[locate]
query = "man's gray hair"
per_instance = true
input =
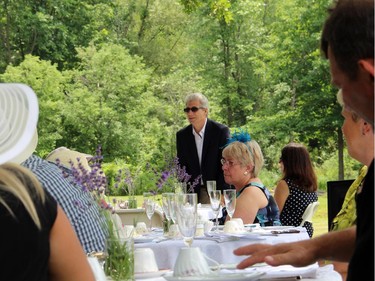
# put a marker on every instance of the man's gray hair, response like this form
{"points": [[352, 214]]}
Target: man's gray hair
{"points": [[197, 96]]}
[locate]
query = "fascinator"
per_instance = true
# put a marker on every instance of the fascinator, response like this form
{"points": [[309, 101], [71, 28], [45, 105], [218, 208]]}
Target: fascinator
{"points": [[241, 136]]}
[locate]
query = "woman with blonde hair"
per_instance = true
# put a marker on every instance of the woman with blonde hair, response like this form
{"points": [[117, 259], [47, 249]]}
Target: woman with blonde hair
{"points": [[37, 241], [242, 162]]}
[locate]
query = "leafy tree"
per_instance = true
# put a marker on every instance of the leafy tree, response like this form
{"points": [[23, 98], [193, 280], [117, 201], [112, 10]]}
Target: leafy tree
{"points": [[48, 83]]}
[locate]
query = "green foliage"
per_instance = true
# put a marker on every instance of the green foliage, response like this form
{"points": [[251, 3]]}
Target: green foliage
{"points": [[116, 73], [48, 84]]}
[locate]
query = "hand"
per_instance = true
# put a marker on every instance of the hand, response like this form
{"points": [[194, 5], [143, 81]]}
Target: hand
{"points": [[297, 254]]}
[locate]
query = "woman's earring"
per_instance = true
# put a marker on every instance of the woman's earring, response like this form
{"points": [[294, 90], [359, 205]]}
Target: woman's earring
{"points": [[245, 173]]}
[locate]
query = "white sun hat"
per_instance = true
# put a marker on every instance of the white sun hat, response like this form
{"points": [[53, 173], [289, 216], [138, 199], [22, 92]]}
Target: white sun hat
{"points": [[19, 113]]}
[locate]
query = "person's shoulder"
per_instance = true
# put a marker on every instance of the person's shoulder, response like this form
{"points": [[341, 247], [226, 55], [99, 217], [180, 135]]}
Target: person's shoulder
{"points": [[216, 124], [33, 162], [185, 130], [282, 184]]}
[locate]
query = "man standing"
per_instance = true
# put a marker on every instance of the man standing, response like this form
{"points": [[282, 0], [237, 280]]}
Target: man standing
{"points": [[199, 145]]}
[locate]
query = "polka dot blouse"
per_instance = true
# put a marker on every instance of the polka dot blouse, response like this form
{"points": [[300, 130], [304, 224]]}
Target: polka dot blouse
{"points": [[295, 205]]}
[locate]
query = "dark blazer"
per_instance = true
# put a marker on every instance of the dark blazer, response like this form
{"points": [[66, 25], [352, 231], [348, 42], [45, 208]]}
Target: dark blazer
{"points": [[215, 138]]}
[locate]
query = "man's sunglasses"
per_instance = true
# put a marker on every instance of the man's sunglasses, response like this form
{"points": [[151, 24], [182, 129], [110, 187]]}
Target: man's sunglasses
{"points": [[194, 109]]}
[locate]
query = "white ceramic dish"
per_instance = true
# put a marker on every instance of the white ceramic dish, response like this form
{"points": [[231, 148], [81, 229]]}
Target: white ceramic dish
{"points": [[219, 276], [143, 239], [146, 275]]}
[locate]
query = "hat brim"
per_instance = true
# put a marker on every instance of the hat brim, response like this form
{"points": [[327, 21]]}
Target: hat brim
{"points": [[19, 113]]}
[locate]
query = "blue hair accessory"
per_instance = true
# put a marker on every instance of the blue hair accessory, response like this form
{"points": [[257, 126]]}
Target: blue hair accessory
{"points": [[241, 136]]}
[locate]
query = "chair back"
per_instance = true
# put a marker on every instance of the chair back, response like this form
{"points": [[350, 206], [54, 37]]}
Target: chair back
{"points": [[336, 191], [309, 212]]}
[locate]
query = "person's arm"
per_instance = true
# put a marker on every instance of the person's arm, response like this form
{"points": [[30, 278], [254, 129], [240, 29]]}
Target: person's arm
{"points": [[281, 194], [67, 259], [337, 245]]}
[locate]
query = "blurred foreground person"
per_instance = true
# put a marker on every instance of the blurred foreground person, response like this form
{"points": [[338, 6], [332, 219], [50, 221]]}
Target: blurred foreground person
{"points": [[348, 43], [37, 241]]}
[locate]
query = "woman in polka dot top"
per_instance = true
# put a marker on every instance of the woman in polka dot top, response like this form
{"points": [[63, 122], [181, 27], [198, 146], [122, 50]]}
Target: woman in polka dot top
{"points": [[297, 187]]}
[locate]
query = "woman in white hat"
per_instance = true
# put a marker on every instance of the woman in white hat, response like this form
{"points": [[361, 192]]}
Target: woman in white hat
{"points": [[37, 241]]}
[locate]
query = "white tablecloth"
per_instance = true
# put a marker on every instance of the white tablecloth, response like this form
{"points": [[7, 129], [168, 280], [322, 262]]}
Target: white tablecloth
{"points": [[205, 212], [166, 252], [325, 273]]}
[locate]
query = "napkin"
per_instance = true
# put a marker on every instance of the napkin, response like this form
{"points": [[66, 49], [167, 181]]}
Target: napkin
{"points": [[281, 271]]}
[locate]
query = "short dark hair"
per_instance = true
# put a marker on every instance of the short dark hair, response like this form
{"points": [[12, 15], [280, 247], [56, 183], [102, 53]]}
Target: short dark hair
{"points": [[349, 33]]}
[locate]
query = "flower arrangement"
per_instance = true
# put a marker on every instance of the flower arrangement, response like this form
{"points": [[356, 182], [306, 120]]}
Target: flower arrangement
{"points": [[119, 261], [126, 181], [172, 175], [91, 180]]}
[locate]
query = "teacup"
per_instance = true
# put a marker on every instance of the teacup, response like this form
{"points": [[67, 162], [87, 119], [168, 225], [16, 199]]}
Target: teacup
{"points": [[239, 222], [192, 262], [232, 227], [129, 230], [141, 228], [144, 260]]}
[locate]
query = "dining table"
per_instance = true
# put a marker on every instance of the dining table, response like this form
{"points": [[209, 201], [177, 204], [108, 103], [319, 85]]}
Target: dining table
{"points": [[218, 248]]}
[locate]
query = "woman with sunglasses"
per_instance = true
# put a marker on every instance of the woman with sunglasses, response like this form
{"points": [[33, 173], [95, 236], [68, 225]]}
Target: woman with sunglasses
{"points": [[199, 146]]}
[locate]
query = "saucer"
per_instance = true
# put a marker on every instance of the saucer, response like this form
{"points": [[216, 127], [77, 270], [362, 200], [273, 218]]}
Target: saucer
{"points": [[249, 276], [143, 239], [145, 275]]}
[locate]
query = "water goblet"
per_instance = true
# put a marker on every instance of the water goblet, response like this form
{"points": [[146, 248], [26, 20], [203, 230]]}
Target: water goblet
{"points": [[187, 213], [215, 200], [230, 201], [148, 199]]}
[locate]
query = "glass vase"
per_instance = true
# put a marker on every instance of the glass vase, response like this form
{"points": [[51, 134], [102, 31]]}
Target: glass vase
{"points": [[119, 264]]}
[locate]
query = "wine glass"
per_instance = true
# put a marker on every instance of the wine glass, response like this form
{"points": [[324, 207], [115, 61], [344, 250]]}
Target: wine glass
{"points": [[180, 187], [148, 199], [211, 186], [172, 207], [230, 201], [186, 213], [215, 200], [165, 205]]}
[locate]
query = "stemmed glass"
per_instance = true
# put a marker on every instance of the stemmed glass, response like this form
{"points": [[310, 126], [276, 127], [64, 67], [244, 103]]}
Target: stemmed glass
{"points": [[165, 198], [211, 186], [148, 199], [215, 200], [180, 187], [186, 213], [230, 201]]}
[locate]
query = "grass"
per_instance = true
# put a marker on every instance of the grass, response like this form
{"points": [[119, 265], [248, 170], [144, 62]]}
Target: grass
{"points": [[320, 219]]}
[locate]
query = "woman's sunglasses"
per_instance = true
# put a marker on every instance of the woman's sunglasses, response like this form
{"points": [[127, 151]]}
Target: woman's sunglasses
{"points": [[194, 109]]}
